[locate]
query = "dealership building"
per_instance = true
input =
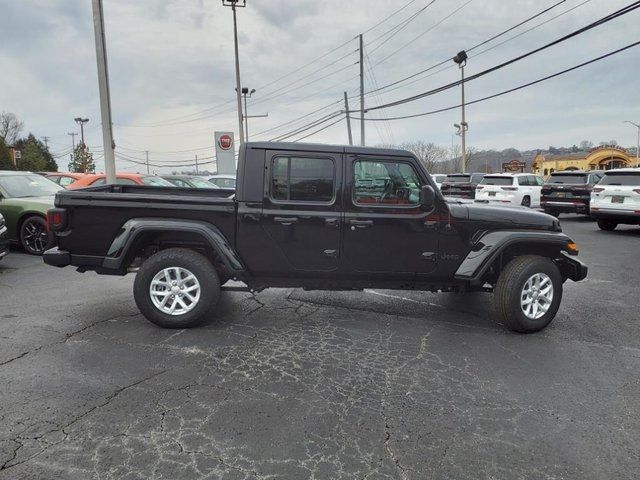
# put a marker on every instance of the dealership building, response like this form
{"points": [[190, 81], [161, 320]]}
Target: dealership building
{"points": [[600, 158]]}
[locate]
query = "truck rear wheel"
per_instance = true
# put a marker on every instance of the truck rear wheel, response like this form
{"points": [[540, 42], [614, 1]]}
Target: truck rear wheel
{"points": [[177, 288], [528, 293]]}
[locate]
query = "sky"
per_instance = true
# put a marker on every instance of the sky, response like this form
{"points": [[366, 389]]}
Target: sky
{"points": [[172, 73]]}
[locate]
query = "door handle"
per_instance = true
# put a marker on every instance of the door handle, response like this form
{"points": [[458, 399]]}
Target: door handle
{"points": [[331, 222], [285, 220], [360, 224]]}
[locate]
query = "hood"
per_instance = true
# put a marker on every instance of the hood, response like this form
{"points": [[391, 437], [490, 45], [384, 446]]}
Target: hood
{"points": [[510, 217]]}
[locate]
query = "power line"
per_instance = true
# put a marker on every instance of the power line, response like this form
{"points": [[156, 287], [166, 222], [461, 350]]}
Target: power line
{"points": [[306, 127], [424, 32], [321, 129], [494, 37], [188, 118], [623, 11], [511, 90]]}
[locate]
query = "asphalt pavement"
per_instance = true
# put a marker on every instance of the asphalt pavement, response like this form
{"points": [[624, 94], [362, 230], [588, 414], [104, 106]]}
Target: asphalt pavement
{"points": [[290, 384]]}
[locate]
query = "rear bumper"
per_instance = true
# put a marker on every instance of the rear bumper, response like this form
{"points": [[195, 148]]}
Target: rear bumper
{"points": [[620, 216], [574, 206], [56, 257]]}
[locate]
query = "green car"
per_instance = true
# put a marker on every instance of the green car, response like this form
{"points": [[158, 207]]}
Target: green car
{"points": [[24, 200]]}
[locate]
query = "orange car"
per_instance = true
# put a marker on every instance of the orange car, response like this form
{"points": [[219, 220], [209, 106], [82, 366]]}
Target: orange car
{"points": [[64, 179], [93, 180]]}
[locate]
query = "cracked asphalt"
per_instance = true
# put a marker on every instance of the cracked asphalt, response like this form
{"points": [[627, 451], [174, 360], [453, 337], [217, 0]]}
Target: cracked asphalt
{"points": [[290, 384]]}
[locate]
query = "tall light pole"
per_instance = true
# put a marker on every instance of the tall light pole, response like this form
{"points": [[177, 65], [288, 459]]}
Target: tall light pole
{"points": [[81, 121], [233, 4], [637, 143], [461, 60]]}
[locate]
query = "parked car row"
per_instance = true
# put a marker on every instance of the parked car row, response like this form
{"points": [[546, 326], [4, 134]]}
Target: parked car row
{"points": [[611, 197], [73, 181], [25, 198]]}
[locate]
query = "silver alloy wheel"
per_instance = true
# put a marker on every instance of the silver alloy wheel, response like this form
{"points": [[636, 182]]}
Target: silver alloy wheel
{"points": [[536, 296], [175, 291]]}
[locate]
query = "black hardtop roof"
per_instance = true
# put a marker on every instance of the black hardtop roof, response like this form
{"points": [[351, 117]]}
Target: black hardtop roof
{"points": [[323, 148]]}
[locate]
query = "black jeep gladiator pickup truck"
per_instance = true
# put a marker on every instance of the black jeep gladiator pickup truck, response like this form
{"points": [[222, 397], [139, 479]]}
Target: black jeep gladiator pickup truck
{"points": [[315, 217]]}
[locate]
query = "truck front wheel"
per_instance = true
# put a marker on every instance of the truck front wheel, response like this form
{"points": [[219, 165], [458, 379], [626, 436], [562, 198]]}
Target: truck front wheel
{"points": [[176, 288], [528, 293]]}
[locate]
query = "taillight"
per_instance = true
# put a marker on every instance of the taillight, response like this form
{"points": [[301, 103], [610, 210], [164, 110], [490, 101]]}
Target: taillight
{"points": [[511, 189], [597, 189], [636, 190], [56, 219], [479, 187]]}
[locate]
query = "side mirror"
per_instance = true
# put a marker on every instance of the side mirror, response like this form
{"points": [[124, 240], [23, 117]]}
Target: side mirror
{"points": [[427, 197]]}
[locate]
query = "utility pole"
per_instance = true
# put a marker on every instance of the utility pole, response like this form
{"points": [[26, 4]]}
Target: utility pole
{"points": [[146, 152], [233, 4], [197, 172], [81, 121], [73, 141], [638, 142], [362, 141], [461, 60], [46, 142], [346, 110], [105, 96]]}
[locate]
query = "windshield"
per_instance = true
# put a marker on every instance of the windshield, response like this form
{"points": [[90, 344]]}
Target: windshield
{"points": [[628, 179], [156, 182], [31, 185], [200, 183], [497, 181], [458, 178], [568, 178]]}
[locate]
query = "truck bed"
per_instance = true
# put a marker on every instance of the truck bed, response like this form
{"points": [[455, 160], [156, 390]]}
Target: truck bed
{"points": [[103, 210]]}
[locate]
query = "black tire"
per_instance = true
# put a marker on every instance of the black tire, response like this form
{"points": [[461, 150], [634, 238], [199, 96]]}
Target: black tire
{"points": [[509, 290], [526, 202], [185, 260], [607, 225], [34, 235]]}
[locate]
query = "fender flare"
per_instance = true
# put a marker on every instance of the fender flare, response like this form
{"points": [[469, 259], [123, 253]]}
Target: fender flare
{"points": [[135, 227], [488, 248]]}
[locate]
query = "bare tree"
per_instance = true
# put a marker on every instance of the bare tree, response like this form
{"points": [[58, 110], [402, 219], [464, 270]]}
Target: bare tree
{"points": [[586, 145], [10, 127], [471, 153], [429, 153]]}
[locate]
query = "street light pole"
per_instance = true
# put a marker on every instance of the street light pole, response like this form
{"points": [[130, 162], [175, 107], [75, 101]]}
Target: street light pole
{"points": [[73, 140], [233, 4], [637, 143], [461, 60], [245, 92]]}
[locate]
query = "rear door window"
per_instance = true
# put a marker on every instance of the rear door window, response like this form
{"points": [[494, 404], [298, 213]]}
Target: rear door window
{"points": [[458, 179], [567, 178], [303, 179]]}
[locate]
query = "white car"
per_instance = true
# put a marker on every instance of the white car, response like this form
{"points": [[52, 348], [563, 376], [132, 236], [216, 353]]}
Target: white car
{"points": [[223, 180], [510, 189], [616, 198], [438, 178]]}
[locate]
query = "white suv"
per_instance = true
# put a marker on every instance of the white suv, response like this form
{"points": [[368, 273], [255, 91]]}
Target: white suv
{"points": [[616, 198], [510, 189]]}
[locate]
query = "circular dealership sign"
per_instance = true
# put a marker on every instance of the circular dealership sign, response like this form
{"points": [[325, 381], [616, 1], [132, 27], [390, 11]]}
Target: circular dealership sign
{"points": [[225, 142]]}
